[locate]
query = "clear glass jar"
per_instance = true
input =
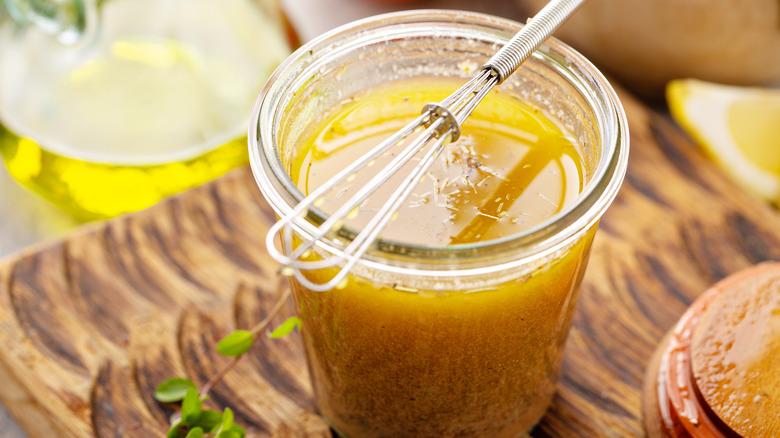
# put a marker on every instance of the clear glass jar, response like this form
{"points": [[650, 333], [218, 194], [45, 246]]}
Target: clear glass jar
{"points": [[107, 106], [461, 340]]}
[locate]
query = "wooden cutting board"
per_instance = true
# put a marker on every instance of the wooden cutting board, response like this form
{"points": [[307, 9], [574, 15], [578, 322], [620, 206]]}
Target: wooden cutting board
{"points": [[90, 324]]}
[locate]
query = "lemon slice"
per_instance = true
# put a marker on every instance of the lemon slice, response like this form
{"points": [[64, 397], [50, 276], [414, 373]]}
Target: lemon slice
{"points": [[739, 127]]}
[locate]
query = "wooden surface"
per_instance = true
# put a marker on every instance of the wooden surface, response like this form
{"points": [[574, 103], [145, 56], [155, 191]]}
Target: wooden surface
{"points": [[89, 325]]}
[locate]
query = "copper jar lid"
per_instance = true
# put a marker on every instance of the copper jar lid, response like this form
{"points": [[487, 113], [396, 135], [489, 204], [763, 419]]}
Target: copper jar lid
{"points": [[717, 372]]}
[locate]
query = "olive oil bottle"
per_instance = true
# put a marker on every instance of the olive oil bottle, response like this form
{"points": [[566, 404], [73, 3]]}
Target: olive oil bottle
{"points": [[150, 98]]}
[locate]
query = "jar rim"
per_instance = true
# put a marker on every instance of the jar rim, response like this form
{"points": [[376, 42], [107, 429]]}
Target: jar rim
{"points": [[545, 237]]}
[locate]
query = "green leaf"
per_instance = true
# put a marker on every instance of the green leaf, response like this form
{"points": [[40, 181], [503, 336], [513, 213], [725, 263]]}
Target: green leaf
{"points": [[195, 432], [208, 419], [227, 419], [190, 406], [173, 390], [238, 429], [228, 429], [286, 328], [175, 430], [236, 343]]}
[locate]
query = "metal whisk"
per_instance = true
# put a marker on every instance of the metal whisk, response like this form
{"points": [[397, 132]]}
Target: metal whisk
{"points": [[442, 123]]}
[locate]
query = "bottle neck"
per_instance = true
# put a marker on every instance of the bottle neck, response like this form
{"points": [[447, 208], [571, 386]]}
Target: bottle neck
{"points": [[65, 19]]}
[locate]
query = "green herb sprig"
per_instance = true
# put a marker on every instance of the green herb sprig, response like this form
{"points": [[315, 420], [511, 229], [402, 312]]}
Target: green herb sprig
{"points": [[192, 421]]}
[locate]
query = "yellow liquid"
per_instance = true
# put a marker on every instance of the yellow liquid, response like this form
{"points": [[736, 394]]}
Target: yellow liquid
{"points": [[90, 190], [510, 169], [393, 358]]}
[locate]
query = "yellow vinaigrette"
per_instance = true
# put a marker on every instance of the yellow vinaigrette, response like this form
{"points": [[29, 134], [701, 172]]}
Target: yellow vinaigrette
{"points": [[511, 168], [393, 357]]}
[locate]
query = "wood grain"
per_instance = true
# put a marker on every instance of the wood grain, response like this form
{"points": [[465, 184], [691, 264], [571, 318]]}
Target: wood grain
{"points": [[90, 324]]}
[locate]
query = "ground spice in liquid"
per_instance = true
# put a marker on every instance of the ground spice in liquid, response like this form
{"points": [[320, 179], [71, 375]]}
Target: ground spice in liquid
{"points": [[511, 168]]}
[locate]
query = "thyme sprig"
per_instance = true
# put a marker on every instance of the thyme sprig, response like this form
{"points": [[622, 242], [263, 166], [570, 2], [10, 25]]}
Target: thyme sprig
{"points": [[192, 421]]}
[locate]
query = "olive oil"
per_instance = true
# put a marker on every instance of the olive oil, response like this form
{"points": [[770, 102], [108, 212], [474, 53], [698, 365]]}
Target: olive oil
{"points": [[96, 190]]}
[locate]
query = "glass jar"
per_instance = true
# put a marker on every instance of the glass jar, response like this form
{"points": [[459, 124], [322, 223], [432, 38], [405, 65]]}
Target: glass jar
{"points": [[460, 340], [108, 106]]}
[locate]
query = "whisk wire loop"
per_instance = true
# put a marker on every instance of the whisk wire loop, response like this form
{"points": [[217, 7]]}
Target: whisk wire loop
{"points": [[302, 208]]}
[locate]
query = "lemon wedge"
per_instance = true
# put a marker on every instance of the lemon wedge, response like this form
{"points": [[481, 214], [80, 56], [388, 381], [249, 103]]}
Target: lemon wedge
{"points": [[739, 127]]}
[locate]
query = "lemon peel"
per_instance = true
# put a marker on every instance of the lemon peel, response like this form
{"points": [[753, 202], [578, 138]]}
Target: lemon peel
{"points": [[738, 127]]}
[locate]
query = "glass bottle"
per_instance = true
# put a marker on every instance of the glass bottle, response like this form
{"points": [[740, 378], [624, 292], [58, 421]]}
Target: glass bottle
{"points": [[107, 106]]}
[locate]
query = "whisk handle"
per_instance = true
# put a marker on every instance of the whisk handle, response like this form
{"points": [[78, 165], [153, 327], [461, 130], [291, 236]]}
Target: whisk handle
{"points": [[530, 37]]}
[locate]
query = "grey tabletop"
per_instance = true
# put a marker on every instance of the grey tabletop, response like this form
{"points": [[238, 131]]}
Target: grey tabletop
{"points": [[26, 219]]}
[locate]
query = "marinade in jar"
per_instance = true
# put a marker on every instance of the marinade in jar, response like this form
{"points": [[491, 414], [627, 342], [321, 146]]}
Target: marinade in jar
{"points": [[393, 358]]}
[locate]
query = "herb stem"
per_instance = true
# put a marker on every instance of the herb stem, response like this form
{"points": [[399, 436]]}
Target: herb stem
{"points": [[263, 325], [217, 377], [259, 328]]}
